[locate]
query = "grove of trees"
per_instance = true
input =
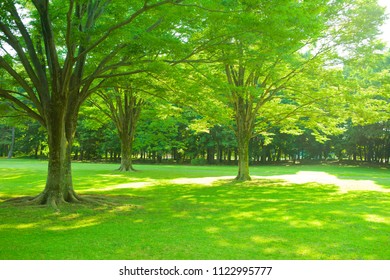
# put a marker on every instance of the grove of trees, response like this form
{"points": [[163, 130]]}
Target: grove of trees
{"points": [[174, 140], [230, 81]]}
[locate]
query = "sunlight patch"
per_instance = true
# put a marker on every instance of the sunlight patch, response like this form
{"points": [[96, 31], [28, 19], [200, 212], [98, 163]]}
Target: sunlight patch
{"points": [[307, 224], [123, 208], [306, 251], [376, 219], [212, 229], [302, 177], [200, 181], [182, 214], [263, 240], [19, 226], [134, 185], [245, 215], [80, 224], [345, 185], [29, 225]]}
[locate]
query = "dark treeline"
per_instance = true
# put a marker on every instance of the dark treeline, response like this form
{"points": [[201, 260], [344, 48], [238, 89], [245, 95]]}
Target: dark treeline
{"points": [[173, 139]]}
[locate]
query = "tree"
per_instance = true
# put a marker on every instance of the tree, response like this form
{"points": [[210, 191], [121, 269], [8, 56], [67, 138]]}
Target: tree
{"points": [[278, 62], [55, 54], [123, 106]]}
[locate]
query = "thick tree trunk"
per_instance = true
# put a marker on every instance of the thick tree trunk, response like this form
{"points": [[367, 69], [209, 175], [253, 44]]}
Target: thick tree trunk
{"points": [[70, 131], [126, 153], [69, 194], [55, 189], [59, 186]]}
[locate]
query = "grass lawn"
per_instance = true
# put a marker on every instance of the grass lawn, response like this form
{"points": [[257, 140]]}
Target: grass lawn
{"points": [[184, 213]]}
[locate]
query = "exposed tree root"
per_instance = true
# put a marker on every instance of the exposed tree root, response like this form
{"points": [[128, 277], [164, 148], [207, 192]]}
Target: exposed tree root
{"points": [[242, 178], [124, 169], [44, 200]]}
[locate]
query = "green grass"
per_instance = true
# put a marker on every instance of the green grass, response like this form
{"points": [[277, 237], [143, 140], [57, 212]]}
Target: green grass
{"points": [[261, 219]]}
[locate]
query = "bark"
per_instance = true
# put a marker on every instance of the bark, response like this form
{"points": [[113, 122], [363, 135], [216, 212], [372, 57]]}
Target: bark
{"points": [[126, 153], [55, 191], [243, 159], [70, 131], [11, 149], [59, 185], [245, 109], [69, 195], [244, 132]]}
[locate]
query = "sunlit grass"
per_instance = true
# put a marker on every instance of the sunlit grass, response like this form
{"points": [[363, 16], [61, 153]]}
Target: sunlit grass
{"points": [[157, 216]]}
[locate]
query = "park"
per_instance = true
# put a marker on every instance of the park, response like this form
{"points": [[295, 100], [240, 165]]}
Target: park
{"points": [[194, 130], [198, 212]]}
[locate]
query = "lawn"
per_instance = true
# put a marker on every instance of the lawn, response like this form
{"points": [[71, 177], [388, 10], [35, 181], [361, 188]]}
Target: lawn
{"points": [[184, 212]]}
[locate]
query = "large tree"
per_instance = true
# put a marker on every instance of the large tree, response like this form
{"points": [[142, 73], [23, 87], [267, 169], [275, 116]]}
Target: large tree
{"points": [[279, 62], [55, 54]]}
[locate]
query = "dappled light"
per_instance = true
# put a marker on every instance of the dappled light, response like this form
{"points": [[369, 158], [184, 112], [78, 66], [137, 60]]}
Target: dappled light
{"points": [[52, 225], [161, 213], [345, 185], [377, 219], [194, 130], [302, 177], [201, 181], [135, 185]]}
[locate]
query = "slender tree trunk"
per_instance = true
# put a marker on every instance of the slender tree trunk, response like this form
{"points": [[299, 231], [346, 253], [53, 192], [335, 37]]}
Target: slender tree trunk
{"points": [[243, 135], [244, 132], [243, 159], [11, 149]]}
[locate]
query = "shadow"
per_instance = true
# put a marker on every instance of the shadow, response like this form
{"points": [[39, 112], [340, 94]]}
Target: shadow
{"points": [[214, 219], [267, 219], [371, 175], [344, 185]]}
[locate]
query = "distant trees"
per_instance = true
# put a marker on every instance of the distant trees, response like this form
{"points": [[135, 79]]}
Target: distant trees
{"points": [[170, 135], [172, 138]]}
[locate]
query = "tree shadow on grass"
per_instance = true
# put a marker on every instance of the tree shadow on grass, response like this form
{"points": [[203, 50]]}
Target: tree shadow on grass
{"points": [[260, 219], [265, 219]]}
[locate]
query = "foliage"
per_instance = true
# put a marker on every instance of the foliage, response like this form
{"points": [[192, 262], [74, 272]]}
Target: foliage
{"points": [[263, 69], [55, 54], [277, 64]]}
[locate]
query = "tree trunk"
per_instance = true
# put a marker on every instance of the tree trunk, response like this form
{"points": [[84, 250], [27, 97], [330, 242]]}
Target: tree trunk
{"points": [[245, 123], [126, 153], [59, 186], [69, 194], [243, 159], [11, 149], [55, 189]]}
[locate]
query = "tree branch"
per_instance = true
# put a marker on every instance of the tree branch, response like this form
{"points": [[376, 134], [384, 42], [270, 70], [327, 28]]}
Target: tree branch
{"points": [[136, 14], [7, 95]]}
